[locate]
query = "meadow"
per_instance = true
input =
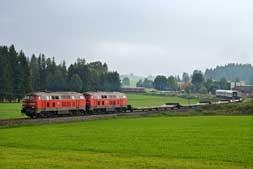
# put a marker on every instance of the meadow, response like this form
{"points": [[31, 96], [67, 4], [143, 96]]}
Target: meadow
{"points": [[10, 110], [197, 142]]}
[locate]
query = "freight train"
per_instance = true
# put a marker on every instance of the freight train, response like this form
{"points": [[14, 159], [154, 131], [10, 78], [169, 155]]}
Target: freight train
{"points": [[53, 104]]}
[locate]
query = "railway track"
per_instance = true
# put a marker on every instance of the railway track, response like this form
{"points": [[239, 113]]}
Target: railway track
{"points": [[134, 113], [19, 121]]}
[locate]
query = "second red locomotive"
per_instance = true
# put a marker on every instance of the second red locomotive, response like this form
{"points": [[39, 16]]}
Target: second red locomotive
{"points": [[49, 104]]}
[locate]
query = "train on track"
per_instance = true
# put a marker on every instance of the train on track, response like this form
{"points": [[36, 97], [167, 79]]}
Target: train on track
{"points": [[228, 94], [53, 104]]}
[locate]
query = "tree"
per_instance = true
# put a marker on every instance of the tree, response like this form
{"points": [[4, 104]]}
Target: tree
{"points": [[172, 84], [112, 81], [161, 83], [177, 78], [147, 83], [210, 86], [22, 77], [126, 81], [19, 76], [35, 76], [231, 72], [43, 73], [5, 75], [197, 79], [75, 83], [12, 59], [27, 77], [139, 83], [185, 77], [203, 89], [224, 84]]}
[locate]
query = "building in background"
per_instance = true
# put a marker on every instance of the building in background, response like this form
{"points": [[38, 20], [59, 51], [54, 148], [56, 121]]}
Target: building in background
{"points": [[242, 87], [234, 84]]}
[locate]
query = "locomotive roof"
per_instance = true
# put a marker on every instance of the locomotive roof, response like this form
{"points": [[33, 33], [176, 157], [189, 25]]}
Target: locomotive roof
{"points": [[105, 93], [55, 93]]}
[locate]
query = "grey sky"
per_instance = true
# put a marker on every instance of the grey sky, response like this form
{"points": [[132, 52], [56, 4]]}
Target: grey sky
{"points": [[133, 36]]}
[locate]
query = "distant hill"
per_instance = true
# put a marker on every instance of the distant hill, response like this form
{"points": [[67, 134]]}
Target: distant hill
{"points": [[232, 72]]}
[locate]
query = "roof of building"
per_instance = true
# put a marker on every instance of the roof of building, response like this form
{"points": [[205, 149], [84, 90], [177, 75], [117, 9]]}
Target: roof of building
{"points": [[246, 88]]}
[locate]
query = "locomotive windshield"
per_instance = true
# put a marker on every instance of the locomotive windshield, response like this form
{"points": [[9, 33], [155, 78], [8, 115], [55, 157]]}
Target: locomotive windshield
{"points": [[29, 97]]}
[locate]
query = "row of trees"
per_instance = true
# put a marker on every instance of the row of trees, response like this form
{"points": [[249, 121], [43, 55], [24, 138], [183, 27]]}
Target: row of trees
{"points": [[163, 83], [194, 83], [20, 75], [232, 72], [201, 85], [15, 75]]}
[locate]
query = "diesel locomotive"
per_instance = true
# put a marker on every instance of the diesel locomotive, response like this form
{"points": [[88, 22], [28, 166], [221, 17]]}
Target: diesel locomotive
{"points": [[52, 104]]}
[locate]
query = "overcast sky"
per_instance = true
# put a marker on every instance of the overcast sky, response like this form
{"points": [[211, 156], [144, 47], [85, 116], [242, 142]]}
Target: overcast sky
{"points": [[133, 36]]}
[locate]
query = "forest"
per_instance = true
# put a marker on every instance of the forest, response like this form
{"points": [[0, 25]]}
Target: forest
{"points": [[20, 74], [232, 72]]}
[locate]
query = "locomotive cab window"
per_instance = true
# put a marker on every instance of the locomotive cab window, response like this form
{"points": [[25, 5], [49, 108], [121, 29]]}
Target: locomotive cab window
{"points": [[29, 97]]}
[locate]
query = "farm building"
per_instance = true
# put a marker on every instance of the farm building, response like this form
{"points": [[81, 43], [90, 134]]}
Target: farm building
{"points": [[246, 89]]}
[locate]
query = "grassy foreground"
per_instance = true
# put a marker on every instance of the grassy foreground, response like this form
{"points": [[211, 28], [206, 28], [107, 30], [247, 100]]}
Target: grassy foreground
{"points": [[151, 142]]}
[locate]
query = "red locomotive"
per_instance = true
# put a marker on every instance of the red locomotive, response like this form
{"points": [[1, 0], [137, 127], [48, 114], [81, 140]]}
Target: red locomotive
{"points": [[45, 104], [49, 104], [106, 101]]}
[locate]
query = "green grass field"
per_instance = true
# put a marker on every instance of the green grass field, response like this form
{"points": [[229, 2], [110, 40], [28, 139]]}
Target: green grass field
{"points": [[12, 110], [144, 100], [153, 142]]}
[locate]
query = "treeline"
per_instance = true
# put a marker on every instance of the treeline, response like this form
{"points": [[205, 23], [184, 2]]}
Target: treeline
{"points": [[195, 83], [20, 75], [160, 83], [232, 72], [200, 84]]}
